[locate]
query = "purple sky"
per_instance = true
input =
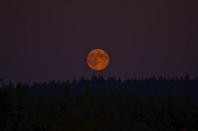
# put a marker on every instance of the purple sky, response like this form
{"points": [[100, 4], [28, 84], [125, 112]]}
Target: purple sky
{"points": [[49, 39]]}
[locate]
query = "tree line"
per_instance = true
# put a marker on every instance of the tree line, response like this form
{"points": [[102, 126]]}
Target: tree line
{"points": [[149, 104]]}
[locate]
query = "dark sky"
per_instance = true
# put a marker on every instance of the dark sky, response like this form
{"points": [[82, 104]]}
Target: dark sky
{"points": [[49, 39]]}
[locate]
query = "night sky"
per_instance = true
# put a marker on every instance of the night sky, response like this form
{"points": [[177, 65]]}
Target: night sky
{"points": [[45, 40]]}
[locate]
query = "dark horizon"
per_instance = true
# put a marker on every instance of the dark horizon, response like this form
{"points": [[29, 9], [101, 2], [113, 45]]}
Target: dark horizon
{"points": [[99, 77]]}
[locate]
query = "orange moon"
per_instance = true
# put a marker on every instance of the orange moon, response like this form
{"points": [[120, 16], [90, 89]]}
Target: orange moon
{"points": [[98, 59]]}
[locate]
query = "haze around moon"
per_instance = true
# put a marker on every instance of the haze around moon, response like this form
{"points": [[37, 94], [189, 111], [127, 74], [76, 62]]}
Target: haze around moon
{"points": [[98, 59]]}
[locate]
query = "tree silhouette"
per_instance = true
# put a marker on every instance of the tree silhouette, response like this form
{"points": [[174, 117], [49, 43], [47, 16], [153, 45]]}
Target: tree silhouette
{"points": [[156, 104]]}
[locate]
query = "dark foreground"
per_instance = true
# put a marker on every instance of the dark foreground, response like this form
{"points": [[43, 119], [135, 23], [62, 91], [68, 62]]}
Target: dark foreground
{"points": [[100, 105]]}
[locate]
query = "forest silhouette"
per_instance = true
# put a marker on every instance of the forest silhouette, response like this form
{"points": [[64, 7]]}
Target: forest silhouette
{"points": [[147, 104]]}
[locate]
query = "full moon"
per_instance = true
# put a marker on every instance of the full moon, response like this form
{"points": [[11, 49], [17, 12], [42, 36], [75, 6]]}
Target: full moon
{"points": [[98, 59]]}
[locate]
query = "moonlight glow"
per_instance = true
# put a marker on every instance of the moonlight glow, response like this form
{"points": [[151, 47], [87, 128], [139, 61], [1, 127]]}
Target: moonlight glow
{"points": [[98, 59]]}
